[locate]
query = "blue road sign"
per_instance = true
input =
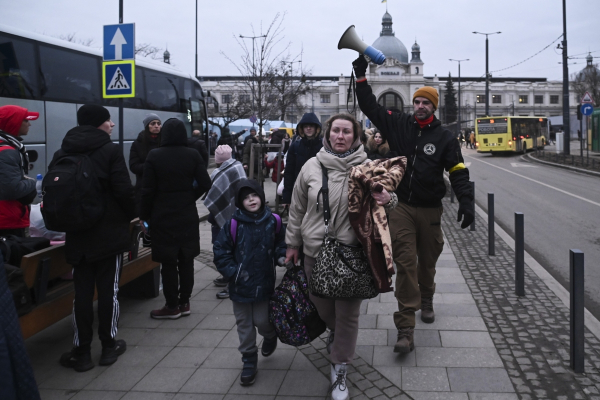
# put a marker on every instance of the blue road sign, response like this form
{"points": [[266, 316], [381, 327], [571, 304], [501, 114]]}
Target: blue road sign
{"points": [[587, 109], [119, 42], [253, 119], [118, 79]]}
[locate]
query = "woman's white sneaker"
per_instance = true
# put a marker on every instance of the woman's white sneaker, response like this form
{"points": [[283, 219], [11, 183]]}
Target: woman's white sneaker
{"points": [[338, 389]]}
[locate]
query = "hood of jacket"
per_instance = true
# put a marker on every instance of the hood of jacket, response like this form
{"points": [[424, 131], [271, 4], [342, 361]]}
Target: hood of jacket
{"points": [[84, 138], [309, 118], [173, 133], [251, 184]]}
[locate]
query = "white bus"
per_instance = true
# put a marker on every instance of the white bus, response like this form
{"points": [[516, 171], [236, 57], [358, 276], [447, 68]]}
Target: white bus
{"points": [[55, 77]]}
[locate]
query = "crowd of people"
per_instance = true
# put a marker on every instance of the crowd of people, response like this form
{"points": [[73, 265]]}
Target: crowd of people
{"points": [[335, 178]]}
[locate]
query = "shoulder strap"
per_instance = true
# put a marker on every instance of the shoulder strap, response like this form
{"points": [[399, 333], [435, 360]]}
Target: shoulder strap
{"points": [[233, 229], [325, 191], [278, 222]]}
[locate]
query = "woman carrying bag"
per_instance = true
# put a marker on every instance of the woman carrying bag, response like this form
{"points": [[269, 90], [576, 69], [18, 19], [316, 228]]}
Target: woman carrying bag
{"points": [[311, 227]]}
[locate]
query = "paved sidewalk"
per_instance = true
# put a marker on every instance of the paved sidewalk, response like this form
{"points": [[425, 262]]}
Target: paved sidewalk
{"points": [[485, 343]]}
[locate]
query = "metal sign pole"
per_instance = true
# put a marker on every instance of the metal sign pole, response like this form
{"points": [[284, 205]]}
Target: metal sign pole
{"points": [[121, 99]]}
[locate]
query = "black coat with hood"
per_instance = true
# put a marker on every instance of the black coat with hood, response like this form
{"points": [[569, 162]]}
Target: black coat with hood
{"points": [[299, 153], [169, 197], [110, 236], [137, 156]]}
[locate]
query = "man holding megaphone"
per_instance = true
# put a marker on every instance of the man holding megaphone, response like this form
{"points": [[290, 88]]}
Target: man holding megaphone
{"points": [[415, 229]]}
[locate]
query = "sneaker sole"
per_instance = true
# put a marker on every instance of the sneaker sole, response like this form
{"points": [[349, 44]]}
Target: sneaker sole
{"points": [[185, 313], [166, 316], [220, 284], [85, 368]]}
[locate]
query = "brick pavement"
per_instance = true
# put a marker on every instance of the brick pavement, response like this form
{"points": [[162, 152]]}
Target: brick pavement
{"points": [[531, 333]]}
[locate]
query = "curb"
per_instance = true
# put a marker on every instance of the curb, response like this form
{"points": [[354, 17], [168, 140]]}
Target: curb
{"points": [[583, 171]]}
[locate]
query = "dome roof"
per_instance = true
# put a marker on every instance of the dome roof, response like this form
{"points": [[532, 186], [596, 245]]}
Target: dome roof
{"points": [[387, 42], [416, 47]]}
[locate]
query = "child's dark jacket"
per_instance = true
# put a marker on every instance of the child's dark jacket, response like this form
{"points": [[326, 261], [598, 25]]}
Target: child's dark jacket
{"points": [[249, 264]]}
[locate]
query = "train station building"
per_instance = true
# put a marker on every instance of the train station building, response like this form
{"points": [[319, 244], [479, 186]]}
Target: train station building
{"points": [[402, 73]]}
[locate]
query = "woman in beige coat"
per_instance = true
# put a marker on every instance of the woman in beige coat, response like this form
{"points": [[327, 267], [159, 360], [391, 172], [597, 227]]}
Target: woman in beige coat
{"points": [[341, 151]]}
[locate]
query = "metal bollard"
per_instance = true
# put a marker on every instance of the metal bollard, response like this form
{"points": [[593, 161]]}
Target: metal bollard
{"points": [[491, 244], [519, 254], [473, 189], [576, 349]]}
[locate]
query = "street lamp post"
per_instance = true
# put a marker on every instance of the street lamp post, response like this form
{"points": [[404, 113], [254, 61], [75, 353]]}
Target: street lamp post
{"points": [[566, 116], [487, 73], [459, 102], [253, 66]]}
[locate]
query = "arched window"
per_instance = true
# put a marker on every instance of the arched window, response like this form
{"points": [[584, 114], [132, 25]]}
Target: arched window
{"points": [[391, 100], [417, 70]]}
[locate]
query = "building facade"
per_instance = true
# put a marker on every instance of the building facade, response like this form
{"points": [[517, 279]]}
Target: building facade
{"points": [[395, 82]]}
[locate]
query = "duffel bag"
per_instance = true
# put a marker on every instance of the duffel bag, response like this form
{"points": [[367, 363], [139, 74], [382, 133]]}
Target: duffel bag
{"points": [[15, 247]]}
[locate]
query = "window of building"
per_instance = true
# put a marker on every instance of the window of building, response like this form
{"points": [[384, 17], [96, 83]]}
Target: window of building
{"points": [[523, 99], [244, 98], [538, 99], [69, 76], [481, 99], [18, 76], [226, 98], [391, 100], [324, 118], [554, 99], [497, 99], [325, 98]]}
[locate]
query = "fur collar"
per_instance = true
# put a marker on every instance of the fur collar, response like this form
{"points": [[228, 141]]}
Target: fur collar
{"points": [[383, 148]]}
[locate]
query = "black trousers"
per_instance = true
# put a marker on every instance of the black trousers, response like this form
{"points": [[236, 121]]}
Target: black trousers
{"points": [[178, 280], [104, 276]]}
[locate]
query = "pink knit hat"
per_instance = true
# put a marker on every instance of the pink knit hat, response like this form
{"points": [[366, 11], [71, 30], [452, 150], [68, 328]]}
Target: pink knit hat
{"points": [[222, 154]]}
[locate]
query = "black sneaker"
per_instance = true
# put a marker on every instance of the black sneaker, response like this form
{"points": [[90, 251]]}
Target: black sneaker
{"points": [[79, 362], [268, 346], [223, 294], [220, 282], [111, 354]]}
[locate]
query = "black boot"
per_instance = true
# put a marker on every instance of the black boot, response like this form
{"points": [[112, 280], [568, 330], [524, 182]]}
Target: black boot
{"points": [[249, 369], [80, 361]]}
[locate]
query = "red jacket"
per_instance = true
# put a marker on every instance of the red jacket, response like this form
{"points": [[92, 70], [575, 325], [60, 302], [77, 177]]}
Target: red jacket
{"points": [[273, 164], [13, 214]]}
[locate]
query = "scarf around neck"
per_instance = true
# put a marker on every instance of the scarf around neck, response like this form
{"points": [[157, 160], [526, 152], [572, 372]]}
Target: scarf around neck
{"points": [[20, 147]]}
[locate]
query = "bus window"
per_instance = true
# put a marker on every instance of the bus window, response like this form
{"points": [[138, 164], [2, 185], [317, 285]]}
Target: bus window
{"points": [[17, 68], [188, 87], [69, 76], [139, 101], [198, 91], [162, 91]]}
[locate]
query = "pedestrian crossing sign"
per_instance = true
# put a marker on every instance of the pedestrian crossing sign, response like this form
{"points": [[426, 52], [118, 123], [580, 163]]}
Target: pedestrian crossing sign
{"points": [[118, 79]]}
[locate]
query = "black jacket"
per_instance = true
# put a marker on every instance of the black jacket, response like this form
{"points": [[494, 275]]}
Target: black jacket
{"points": [[169, 197], [110, 236], [137, 156], [227, 138], [429, 151], [195, 142], [299, 153]]}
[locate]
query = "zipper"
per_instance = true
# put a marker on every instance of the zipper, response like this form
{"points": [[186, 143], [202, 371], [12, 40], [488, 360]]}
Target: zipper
{"points": [[413, 169]]}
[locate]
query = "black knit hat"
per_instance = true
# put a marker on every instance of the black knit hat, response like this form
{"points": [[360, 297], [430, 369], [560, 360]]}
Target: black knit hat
{"points": [[244, 188], [91, 114]]}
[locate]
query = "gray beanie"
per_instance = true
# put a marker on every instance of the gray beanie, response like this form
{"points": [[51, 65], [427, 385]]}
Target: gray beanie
{"points": [[149, 118]]}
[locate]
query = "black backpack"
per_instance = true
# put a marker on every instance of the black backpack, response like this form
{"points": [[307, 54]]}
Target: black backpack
{"points": [[73, 198], [14, 247]]}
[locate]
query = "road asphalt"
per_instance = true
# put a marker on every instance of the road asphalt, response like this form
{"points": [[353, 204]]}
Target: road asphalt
{"points": [[486, 343]]}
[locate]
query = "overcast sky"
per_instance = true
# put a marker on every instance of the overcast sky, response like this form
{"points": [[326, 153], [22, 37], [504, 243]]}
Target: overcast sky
{"points": [[441, 27]]}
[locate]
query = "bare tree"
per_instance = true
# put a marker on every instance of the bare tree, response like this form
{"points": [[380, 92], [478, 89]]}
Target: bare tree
{"points": [[147, 50], [238, 107], [72, 37], [260, 67], [289, 87], [587, 80]]}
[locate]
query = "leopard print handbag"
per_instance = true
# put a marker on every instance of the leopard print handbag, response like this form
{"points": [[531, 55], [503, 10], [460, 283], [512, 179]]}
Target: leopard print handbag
{"points": [[341, 271]]}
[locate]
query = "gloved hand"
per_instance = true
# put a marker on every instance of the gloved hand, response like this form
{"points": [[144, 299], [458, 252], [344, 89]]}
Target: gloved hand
{"points": [[360, 66], [281, 261], [465, 209]]}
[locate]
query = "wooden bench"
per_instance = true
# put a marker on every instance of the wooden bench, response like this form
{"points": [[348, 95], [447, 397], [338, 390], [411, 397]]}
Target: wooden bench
{"points": [[56, 302]]}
